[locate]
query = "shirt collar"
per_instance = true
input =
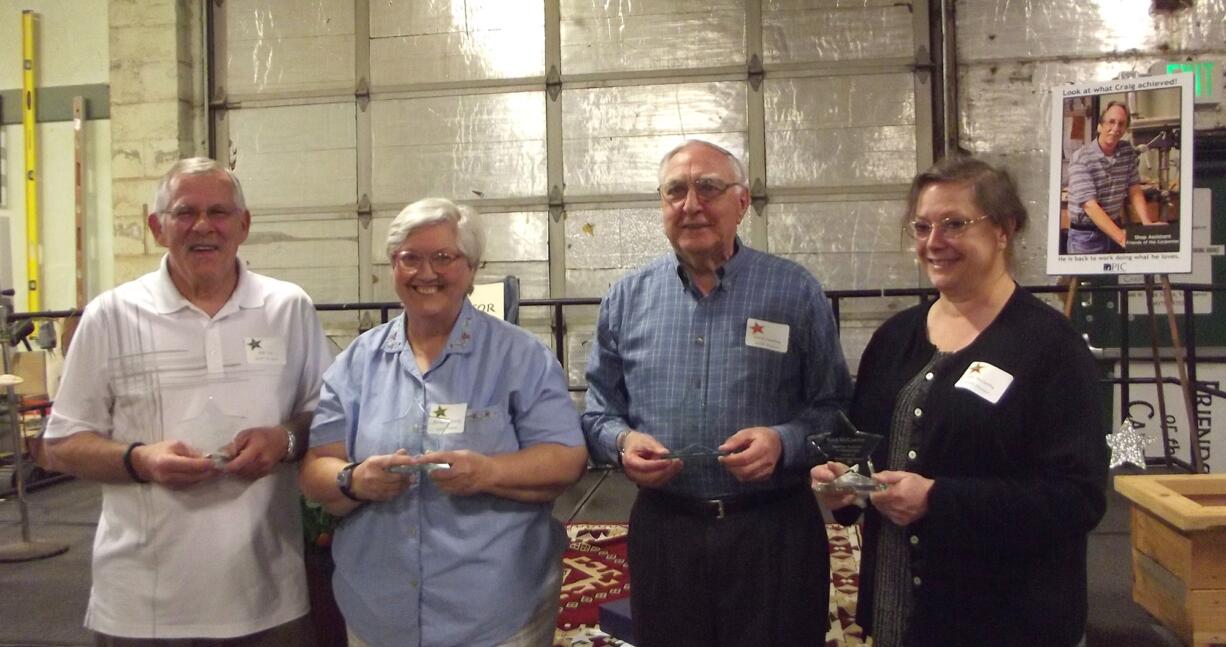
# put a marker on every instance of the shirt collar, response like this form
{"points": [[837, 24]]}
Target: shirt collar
{"points": [[1121, 147], [724, 274], [461, 340], [168, 299]]}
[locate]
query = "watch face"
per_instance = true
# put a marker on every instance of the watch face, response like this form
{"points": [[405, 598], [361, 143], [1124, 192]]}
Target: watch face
{"points": [[344, 477]]}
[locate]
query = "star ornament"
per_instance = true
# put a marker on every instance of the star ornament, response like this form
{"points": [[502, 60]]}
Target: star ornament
{"points": [[976, 367], [1128, 445], [440, 412], [254, 344], [757, 329]]}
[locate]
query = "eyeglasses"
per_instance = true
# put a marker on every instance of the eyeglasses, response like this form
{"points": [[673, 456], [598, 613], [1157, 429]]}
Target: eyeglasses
{"points": [[706, 188], [411, 262], [1112, 123], [189, 215], [949, 227]]}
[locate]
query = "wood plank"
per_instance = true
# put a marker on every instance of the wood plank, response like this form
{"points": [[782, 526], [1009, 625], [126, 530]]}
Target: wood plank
{"points": [[1209, 639], [1161, 594], [1209, 560], [1162, 543], [1194, 484], [1151, 493], [1207, 609]]}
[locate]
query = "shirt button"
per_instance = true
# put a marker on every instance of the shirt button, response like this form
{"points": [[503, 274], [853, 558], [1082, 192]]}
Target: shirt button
{"points": [[911, 454], [919, 412], [928, 377], [914, 540], [916, 580], [700, 341]]}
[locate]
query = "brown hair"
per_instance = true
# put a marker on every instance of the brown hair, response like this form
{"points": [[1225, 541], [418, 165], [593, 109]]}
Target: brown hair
{"points": [[995, 193], [1102, 116]]}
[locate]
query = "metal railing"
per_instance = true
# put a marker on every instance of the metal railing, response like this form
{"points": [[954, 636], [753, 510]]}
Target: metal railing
{"points": [[559, 329]]}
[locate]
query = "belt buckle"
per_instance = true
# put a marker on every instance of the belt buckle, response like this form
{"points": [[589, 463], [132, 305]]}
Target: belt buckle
{"points": [[719, 508]]}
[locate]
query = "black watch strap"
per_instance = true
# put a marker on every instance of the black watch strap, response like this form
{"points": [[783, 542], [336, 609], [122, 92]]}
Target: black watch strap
{"points": [[344, 482]]}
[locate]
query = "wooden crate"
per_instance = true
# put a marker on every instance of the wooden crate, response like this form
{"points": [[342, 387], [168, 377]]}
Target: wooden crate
{"points": [[1179, 552]]}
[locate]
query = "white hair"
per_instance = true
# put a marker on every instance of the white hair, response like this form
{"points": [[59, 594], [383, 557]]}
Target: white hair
{"points": [[430, 211], [740, 174], [194, 166]]}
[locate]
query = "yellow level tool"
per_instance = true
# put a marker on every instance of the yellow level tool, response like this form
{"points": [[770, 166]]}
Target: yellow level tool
{"points": [[33, 243]]}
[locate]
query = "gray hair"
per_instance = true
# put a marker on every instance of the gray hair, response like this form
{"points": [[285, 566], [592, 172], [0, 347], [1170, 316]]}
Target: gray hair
{"points": [[431, 211], [741, 175], [195, 166]]}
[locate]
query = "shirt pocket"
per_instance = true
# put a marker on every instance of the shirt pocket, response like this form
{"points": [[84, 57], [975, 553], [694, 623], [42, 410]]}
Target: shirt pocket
{"points": [[486, 430]]}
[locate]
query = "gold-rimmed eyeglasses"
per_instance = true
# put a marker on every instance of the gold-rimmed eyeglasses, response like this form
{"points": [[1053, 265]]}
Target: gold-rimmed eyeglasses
{"points": [[411, 262], [949, 227]]}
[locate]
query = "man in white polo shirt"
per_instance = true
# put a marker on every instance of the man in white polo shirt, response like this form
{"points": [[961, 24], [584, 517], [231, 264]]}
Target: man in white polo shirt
{"points": [[187, 393]]}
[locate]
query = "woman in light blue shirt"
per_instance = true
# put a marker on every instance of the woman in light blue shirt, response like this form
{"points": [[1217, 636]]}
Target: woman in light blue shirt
{"points": [[442, 437]]}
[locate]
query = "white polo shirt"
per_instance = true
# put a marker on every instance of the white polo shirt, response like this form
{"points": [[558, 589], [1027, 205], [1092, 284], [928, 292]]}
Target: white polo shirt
{"points": [[223, 558]]}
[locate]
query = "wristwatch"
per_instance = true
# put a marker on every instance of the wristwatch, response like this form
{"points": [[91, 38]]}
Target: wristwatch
{"points": [[344, 482]]}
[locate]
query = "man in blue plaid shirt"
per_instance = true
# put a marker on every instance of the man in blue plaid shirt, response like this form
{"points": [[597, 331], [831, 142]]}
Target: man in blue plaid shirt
{"points": [[728, 358]]}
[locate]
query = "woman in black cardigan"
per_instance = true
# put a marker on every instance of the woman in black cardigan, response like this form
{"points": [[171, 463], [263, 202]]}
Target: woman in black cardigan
{"points": [[995, 452]]}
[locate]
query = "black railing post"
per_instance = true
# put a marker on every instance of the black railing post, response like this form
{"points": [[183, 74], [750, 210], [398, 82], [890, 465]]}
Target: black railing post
{"points": [[1125, 360]]}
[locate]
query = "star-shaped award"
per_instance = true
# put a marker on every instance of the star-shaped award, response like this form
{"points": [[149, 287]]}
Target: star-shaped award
{"points": [[845, 444], [440, 412], [254, 344], [1128, 445]]}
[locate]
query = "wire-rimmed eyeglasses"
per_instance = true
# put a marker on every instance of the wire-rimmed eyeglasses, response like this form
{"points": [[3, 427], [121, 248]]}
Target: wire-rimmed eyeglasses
{"points": [[410, 262], [706, 188], [949, 227]]}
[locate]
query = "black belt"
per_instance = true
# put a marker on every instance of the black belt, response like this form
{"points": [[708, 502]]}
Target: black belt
{"points": [[722, 507]]}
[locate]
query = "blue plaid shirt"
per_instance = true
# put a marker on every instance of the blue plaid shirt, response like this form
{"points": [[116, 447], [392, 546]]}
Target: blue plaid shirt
{"points": [[672, 363]]}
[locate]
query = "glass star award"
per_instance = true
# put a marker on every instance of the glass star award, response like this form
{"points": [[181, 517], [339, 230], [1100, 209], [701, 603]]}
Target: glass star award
{"points": [[850, 446]]}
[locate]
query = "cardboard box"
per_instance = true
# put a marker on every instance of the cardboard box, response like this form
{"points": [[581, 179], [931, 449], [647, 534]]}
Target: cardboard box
{"points": [[1179, 552], [30, 366]]}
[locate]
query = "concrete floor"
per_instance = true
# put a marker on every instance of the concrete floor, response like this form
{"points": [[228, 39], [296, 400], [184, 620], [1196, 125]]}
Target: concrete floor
{"points": [[42, 602]]}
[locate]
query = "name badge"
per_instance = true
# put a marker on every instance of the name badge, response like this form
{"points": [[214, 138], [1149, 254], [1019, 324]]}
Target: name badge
{"points": [[985, 381], [767, 335], [446, 418], [265, 350]]}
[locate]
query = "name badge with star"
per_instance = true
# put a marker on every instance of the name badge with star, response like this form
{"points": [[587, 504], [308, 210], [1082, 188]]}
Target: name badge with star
{"points": [[985, 381], [767, 335], [447, 418], [265, 350]]}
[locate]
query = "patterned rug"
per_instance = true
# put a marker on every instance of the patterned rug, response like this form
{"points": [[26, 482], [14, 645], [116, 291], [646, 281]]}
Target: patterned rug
{"points": [[594, 572]]}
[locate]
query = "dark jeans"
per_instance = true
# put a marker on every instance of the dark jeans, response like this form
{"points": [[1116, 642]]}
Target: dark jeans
{"points": [[295, 633], [755, 578]]}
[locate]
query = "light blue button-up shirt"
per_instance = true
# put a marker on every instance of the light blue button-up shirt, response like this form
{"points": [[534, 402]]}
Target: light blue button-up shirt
{"points": [[427, 568], [684, 367]]}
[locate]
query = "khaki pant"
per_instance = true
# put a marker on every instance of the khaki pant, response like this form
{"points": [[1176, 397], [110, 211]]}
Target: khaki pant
{"points": [[539, 630], [295, 632]]}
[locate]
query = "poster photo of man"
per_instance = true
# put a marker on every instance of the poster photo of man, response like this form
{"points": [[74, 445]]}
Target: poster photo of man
{"points": [[1120, 153]]}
